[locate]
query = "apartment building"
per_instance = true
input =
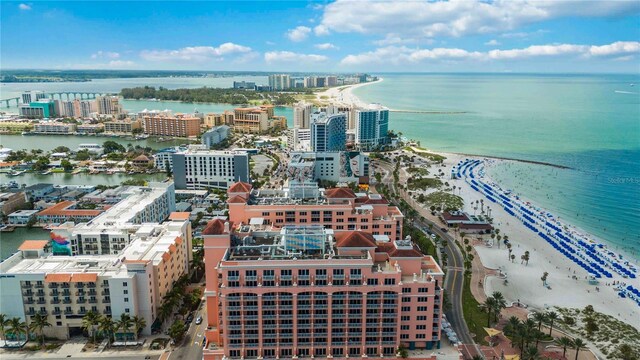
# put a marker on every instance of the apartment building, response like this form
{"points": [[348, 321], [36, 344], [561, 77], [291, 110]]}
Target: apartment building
{"points": [[279, 82], [180, 125], [299, 139], [302, 115], [109, 105], [328, 132], [53, 127], [251, 120], [11, 201], [65, 288], [110, 232], [89, 128], [66, 211], [305, 291], [199, 169], [339, 209], [121, 126], [371, 127], [215, 135], [16, 126]]}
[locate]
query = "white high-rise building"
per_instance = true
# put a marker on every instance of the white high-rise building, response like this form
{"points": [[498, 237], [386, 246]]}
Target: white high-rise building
{"points": [[279, 82], [32, 96], [302, 115], [196, 169], [372, 124]]}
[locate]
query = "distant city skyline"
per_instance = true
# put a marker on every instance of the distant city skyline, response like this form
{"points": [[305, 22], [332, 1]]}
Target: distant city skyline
{"points": [[341, 36]]}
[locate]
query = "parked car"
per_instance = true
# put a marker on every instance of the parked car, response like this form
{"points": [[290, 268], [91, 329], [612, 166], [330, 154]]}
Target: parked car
{"points": [[444, 229], [190, 318], [199, 320]]}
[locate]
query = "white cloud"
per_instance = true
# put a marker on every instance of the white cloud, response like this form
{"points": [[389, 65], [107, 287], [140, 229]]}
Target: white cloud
{"points": [[523, 35], [492, 42], [269, 42], [105, 54], [288, 56], [402, 54], [616, 48], [24, 7], [428, 19], [298, 34], [195, 53], [326, 46], [395, 39]]}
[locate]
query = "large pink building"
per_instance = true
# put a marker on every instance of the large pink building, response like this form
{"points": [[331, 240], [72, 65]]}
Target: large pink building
{"points": [[307, 290], [339, 209]]}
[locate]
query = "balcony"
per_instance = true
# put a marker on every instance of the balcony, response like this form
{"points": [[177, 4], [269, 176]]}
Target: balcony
{"points": [[106, 299], [66, 292], [31, 312], [65, 285], [43, 312], [91, 285], [56, 312], [107, 311], [29, 301], [93, 301], [92, 292], [42, 301], [105, 292], [39, 286], [27, 293], [55, 301], [66, 301], [54, 293], [68, 312], [53, 285], [25, 286], [81, 300]]}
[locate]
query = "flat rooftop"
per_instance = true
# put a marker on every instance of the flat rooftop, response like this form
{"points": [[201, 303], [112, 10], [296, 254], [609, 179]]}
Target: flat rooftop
{"points": [[149, 243]]}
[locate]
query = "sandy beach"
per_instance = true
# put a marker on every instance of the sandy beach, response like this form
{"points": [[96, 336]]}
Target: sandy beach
{"points": [[344, 94], [524, 283]]}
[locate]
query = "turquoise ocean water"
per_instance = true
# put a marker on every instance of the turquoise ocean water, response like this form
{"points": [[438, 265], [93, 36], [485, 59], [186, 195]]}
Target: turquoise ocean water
{"points": [[590, 123]]}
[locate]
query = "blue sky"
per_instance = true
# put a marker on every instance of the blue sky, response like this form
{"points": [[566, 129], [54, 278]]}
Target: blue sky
{"points": [[340, 36]]}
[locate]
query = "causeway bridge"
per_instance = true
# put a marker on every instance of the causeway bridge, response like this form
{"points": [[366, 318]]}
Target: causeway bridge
{"points": [[60, 95]]}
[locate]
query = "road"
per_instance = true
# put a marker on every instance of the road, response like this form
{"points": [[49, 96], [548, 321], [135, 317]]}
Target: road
{"points": [[191, 347], [454, 279]]}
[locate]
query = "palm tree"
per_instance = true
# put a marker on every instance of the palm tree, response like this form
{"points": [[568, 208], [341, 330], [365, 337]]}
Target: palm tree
{"points": [[500, 304], [564, 342], [513, 323], [89, 322], [107, 327], [540, 317], [165, 311], [197, 263], [38, 323], [578, 345], [488, 306], [17, 327], [551, 317], [139, 323], [124, 324], [4, 322], [531, 353]]}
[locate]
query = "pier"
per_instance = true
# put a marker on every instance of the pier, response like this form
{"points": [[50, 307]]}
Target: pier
{"points": [[432, 112]]}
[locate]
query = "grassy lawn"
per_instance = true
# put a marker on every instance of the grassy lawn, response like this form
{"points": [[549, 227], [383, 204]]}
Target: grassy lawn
{"points": [[476, 320]]}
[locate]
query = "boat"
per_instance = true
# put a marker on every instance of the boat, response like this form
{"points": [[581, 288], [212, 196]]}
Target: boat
{"points": [[47, 172], [17, 173], [27, 133]]}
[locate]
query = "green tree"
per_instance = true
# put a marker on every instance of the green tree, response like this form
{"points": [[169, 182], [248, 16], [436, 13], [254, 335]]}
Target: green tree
{"points": [[41, 164], [552, 316], [139, 323], [177, 330], [107, 328], [17, 327], [539, 317], [564, 342], [500, 304], [66, 165], [110, 146], [626, 352], [4, 322], [125, 323], [488, 307], [83, 155], [89, 322], [579, 344], [531, 353], [38, 323], [61, 149]]}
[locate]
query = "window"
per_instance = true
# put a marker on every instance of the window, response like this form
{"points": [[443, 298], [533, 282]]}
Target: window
{"points": [[423, 299], [423, 290], [422, 308], [421, 327], [126, 310], [389, 281], [126, 299], [372, 282], [406, 308], [406, 299], [405, 318], [125, 291], [124, 283]]}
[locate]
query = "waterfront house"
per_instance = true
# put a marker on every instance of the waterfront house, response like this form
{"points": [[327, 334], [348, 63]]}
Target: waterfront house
{"points": [[21, 217]]}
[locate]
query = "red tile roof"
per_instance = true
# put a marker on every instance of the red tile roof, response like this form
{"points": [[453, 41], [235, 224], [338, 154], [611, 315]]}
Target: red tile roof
{"points": [[340, 193], [176, 215], [367, 200], [394, 252], [61, 209], [214, 227], [455, 216], [57, 278], [237, 200], [240, 187], [33, 245], [84, 277], [355, 239]]}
